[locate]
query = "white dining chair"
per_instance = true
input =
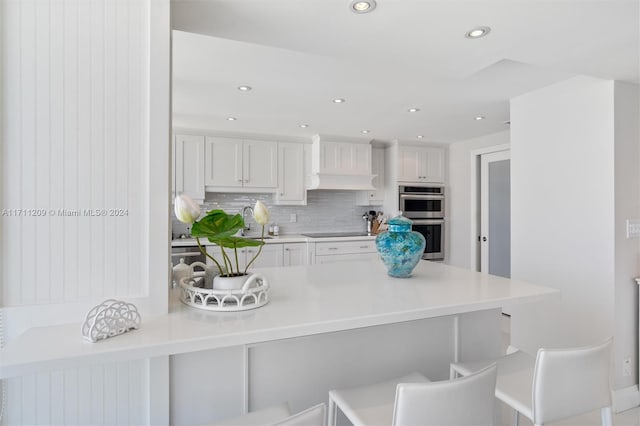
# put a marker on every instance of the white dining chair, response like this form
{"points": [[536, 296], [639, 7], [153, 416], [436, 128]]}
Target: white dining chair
{"points": [[556, 384], [279, 415], [414, 400]]}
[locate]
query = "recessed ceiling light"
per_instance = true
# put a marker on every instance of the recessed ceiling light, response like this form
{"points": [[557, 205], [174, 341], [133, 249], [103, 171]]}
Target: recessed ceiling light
{"points": [[244, 88], [365, 131], [362, 6], [231, 119], [338, 101], [414, 109], [479, 117], [420, 136], [304, 126], [477, 32]]}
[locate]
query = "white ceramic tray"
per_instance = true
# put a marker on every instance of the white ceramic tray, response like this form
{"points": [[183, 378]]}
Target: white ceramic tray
{"points": [[193, 293]]}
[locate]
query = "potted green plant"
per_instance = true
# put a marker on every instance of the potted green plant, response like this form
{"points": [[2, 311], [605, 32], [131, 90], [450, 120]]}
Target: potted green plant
{"points": [[221, 228]]}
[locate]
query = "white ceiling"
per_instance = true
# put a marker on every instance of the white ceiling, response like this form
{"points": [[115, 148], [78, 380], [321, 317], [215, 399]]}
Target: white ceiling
{"points": [[298, 55]]}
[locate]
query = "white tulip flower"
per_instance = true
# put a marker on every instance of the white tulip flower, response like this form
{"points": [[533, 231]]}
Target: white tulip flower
{"points": [[187, 211], [261, 213]]}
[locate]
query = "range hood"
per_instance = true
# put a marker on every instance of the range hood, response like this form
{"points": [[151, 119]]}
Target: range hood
{"points": [[340, 163]]}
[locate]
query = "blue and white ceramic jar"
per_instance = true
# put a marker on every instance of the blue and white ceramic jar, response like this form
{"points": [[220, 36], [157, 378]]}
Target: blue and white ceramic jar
{"points": [[400, 248]]}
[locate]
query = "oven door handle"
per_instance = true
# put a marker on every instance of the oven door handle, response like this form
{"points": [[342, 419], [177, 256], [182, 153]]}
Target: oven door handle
{"points": [[422, 197], [428, 221], [186, 253]]}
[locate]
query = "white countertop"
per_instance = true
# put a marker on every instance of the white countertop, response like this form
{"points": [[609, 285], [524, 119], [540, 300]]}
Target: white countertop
{"points": [[287, 238], [304, 300]]}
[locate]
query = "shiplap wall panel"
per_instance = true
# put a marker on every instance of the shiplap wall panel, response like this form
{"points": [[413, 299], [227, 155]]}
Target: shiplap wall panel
{"points": [[76, 116], [110, 394]]}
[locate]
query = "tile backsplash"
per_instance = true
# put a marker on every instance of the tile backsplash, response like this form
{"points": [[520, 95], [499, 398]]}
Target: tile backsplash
{"points": [[326, 211]]}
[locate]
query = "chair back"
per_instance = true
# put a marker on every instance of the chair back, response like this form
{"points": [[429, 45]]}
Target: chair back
{"points": [[466, 400], [569, 382]]}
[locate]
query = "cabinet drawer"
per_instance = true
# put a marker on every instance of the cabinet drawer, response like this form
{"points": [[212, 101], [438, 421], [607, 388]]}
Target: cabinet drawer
{"points": [[345, 247]]}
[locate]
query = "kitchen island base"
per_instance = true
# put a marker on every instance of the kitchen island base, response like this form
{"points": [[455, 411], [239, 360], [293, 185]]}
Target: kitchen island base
{"points": [[212, 385]]}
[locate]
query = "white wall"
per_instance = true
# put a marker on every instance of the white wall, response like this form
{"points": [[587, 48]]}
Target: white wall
{"points": [[459, 195], [85, 125], [563, 225]]}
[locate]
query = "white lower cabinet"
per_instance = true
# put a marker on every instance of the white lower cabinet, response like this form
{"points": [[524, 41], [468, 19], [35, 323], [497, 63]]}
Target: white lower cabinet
{"points": [[341, 251], [295, 254], [271, 256]]}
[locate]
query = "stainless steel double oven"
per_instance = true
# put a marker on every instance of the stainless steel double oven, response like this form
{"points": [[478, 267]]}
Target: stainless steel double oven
{"points": [[424, 205]]}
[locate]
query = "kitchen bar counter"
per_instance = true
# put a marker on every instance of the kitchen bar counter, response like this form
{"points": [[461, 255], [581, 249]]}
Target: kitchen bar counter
{"points": [[304, 301]]}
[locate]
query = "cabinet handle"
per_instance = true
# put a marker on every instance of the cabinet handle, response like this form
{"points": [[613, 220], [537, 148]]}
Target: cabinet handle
{"points": [[364, 246], [286, 249], [282, 193], [240, 180], [246, 181], [371, 195], [333, 248]]}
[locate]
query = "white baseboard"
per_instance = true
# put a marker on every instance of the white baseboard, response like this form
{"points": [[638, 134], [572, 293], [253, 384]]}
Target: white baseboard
{"points": [[626, 398]]}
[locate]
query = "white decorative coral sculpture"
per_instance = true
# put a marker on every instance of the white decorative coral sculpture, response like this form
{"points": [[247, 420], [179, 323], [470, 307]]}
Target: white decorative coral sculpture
{"points": [[110, 318]]}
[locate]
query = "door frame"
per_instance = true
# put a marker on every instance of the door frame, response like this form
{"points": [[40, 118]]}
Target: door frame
{"points": [[474, 244]]}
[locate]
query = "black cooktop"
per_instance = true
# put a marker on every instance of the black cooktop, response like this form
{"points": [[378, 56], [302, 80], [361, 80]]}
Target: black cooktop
{"points": [[335, 234]]}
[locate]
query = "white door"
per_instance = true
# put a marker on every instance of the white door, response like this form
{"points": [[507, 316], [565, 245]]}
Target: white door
{"points": [[260, 160], [495, 213], [223, 164], [295, 254], [433, 165], [290, 173], [271, 255], [410, 164], [189, 166]]}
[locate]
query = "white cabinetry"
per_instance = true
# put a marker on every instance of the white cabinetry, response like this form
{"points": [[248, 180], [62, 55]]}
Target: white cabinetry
{"points": [[236, 163], [374, 197], [341, 251], [340, 164], [342, 158], [189, 166], [272, 255], [420, 164], [291, 174], [295, 254]]}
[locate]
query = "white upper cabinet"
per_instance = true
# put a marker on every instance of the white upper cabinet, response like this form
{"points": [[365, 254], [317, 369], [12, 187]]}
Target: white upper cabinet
{"points": [[374, 197], [189, 166], [236, 163], [260, 164], [223, 162], [291, 174], [420, 164]]}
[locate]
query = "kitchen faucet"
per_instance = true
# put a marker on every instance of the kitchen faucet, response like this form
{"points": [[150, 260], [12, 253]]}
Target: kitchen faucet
{"points": [[247, 226]]}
